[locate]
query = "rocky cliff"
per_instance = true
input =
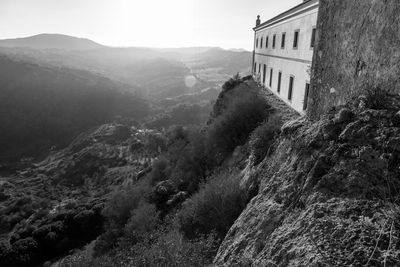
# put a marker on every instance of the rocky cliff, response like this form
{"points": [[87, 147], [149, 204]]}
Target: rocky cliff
{"points": [[328, 193]]}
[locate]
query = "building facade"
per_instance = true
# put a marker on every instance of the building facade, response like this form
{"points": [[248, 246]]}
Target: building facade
{"points": [[283, 52]]}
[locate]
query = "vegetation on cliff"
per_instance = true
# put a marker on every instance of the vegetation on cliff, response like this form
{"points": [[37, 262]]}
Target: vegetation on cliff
{"points": [[242, 190], [328, 192], [178, 213]]}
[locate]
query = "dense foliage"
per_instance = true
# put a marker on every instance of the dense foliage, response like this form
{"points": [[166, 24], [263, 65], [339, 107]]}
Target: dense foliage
{"points": [[215, 207], [142, 218], [263, 137], [49, 236], [174, 212]]}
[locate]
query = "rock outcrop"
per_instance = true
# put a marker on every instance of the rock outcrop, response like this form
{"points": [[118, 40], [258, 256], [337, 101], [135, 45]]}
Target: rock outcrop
{"points": [[328, 194]]}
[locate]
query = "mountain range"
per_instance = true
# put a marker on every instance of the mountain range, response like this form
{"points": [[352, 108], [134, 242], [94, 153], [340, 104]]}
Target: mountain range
{"points": [[55, 86], [154, 72], [52, 41]]}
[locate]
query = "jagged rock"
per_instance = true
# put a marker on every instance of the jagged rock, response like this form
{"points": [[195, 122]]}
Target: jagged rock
{"points": [[249, 182], [291, 126], [331, 130], [165, 188], [326, 204], [350, 131]]}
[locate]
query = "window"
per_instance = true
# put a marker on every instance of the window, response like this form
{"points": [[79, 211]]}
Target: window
{"points": [[270, 77], [255, 67], [264, 73], [266, 42], [296, 39], [307, 91], [290, 94], [257, 43], [314, 31], [273, 41], [259, 68], [261, 43], [279, 81], [283, 40]]}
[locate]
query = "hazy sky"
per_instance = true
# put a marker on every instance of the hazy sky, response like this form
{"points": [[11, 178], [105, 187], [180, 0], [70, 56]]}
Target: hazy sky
{"points": [[153, 23]]}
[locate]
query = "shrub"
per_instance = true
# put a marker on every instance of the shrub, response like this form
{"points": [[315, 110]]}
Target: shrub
{"points": [[233, 127], [5, 250], [214, 208], [84, 259], [172, 249], [159, 171], [263, 137], [25, 252], [192, 166], [164, 247], [118, 211], [143, 220]]}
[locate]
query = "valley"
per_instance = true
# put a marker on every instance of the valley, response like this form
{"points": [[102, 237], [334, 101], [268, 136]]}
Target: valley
{"points": [[82, 123]]}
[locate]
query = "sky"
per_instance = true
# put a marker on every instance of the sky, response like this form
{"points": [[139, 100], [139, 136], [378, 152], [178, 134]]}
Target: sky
{"points": [[145, 23]]}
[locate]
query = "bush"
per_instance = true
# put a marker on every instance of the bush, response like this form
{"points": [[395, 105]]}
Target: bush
{"points": [[25, 252], [263, 137], [143, 220], [159, 171], [214, 208], [193, 165], [233, 127], [164, 247], [171, 248], [118, 211]]}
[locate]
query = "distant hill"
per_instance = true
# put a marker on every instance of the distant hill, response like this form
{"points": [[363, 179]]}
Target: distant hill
{"points": [[238, 50], [41, 107], [154, 73], [52, 41]]}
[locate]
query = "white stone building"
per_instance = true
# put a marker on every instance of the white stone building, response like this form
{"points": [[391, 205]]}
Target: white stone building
{"points": [[283, 51]]}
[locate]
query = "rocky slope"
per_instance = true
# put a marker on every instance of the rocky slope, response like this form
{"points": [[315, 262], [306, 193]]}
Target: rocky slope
{"points": [[328, 193]]}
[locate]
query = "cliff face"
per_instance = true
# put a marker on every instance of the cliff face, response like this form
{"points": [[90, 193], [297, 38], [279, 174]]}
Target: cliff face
{"points": [[328, 194], [358, 47]]}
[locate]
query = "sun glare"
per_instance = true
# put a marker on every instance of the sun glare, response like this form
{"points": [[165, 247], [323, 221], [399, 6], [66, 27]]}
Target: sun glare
{"points": [[161, 24]]}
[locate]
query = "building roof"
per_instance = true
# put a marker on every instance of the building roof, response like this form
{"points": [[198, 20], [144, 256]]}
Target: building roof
{"points": [[305, 6]]}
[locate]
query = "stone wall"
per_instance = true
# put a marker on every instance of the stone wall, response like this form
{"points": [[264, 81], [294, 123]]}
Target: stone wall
{"points": [[358, 47]]}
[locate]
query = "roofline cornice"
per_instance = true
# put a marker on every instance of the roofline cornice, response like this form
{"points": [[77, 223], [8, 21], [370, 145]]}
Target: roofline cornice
{"points": [[299, 9]]}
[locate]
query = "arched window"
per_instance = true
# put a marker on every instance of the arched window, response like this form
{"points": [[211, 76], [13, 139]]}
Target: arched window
{"points": [[261, 43], [257, 43]]}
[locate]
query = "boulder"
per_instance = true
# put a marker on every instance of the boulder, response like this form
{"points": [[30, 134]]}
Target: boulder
{"points": [[165, 188]]}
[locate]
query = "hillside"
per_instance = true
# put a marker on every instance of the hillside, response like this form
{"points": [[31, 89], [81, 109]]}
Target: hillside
{"points": [[42, 107], [154, 73], [51, 41], [328, 192], [242, 190], [56, 205]]}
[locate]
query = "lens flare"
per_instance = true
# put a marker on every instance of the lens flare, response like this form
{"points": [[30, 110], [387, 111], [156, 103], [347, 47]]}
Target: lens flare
{"points": [[190, 81]]}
